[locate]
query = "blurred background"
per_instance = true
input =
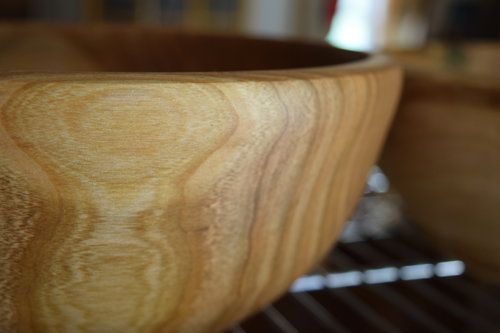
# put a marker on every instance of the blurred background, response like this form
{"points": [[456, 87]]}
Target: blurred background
{"points": [[383, 276], [367, 25]]}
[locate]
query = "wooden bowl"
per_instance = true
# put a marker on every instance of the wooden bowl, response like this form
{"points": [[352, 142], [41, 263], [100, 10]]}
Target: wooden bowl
{"points": [[443, 152], [137, 199]]}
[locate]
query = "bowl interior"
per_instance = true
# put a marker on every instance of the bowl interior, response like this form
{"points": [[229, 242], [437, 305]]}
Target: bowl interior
{"points": [[126, 49]]}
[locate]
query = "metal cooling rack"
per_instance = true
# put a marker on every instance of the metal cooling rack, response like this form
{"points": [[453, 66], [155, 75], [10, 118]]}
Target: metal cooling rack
{"points": [[398, 283]]}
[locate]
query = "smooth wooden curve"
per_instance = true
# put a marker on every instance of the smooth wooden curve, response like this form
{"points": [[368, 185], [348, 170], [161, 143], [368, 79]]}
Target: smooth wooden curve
{"points": [[443, 153], [162, 202]]}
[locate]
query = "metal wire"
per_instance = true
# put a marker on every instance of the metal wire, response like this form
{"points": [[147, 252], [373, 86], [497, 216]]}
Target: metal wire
{"points": [[387, 273]]}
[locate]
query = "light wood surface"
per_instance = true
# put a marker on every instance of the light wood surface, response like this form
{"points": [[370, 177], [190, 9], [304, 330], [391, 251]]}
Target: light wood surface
{"points": [[443, 153], [174, 202]]}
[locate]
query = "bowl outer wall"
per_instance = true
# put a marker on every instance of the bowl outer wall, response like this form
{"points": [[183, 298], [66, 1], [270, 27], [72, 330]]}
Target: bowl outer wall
{"points": [[177, 202]]}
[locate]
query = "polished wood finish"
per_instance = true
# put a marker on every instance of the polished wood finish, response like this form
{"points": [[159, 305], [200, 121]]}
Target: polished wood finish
{"points": [[174, 202], [443, 152]]}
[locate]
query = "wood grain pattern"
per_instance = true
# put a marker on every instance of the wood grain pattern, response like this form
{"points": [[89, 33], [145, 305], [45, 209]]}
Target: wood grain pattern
{"points": [[443, 155], [164, 202]]}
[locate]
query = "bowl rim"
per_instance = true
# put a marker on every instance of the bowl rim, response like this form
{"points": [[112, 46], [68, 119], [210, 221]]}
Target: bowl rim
{"points": [[369, 62]]}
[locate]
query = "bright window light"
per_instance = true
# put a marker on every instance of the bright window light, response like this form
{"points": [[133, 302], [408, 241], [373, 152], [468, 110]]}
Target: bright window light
{"points": [[358, 24]]}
